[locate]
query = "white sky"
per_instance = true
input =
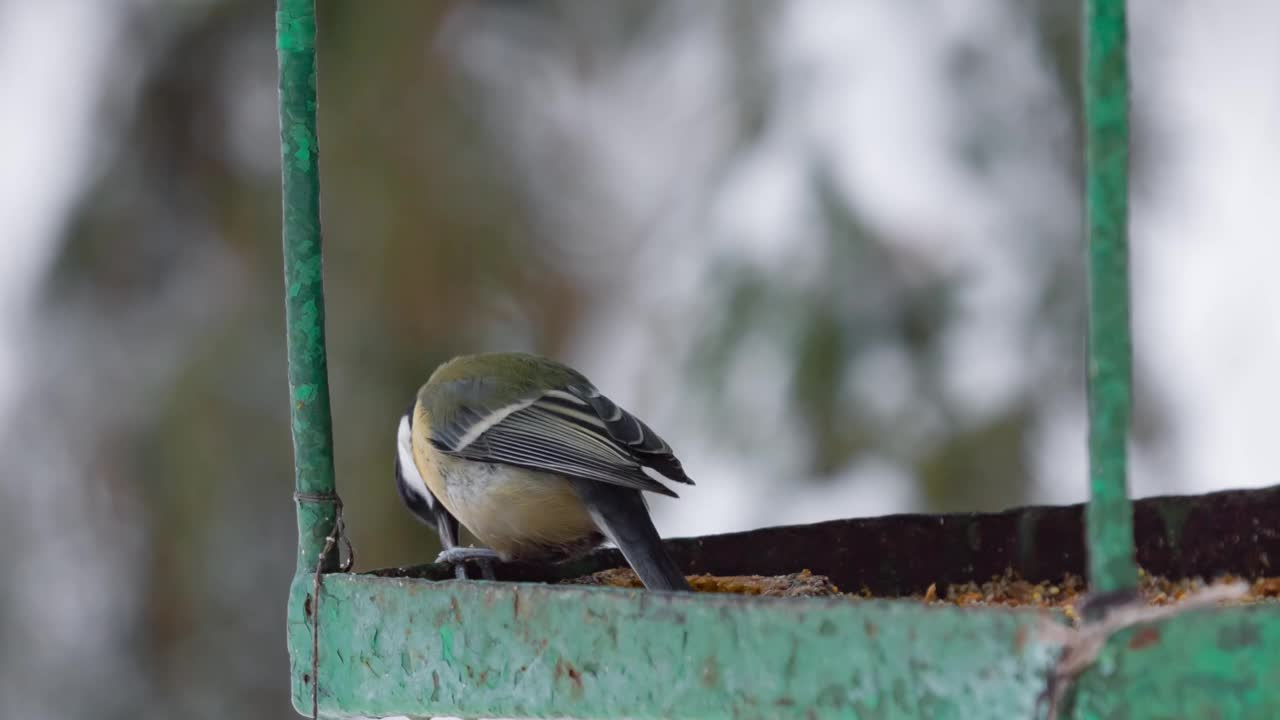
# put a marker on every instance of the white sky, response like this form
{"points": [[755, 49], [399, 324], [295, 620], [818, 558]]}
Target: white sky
{"points": [[52, 53]]}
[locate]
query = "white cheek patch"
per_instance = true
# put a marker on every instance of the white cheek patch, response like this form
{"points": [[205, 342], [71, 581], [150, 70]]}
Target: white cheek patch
{"points": [[408, 468]]}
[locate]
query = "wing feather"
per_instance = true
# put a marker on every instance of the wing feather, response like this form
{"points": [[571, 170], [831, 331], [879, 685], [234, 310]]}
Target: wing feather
{"points": [[573, 431], [645, 444]]}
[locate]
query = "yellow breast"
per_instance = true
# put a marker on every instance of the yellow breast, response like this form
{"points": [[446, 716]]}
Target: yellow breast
{"points": [[515, 512]]}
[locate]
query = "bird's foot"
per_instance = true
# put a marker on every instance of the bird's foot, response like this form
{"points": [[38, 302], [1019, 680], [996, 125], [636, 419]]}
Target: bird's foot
{"points": [[465, 554], [458, 557]]}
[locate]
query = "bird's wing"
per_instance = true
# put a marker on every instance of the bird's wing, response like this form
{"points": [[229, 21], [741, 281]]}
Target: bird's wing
{"points": [[573, 431], [629, 431]]}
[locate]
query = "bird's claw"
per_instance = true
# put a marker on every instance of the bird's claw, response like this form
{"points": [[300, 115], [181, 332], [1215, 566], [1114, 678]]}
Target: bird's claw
{"points": [[458, 557]]}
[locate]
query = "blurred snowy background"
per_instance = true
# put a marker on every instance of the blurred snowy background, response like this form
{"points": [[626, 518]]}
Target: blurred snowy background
{"points": [[832, 251]]}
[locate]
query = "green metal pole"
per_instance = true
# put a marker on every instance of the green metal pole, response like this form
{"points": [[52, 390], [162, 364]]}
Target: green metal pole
{"points": [[317, 505], [1106, 110]]}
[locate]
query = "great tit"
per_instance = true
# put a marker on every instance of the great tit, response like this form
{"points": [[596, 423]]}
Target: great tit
{"points": [[528, 455]]}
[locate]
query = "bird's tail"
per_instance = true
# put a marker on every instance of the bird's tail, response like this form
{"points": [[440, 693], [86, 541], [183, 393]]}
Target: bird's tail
{"points": [[622, 516]]}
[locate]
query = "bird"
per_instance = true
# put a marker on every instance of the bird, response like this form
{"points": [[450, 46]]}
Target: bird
{"points": [[530, 457]]}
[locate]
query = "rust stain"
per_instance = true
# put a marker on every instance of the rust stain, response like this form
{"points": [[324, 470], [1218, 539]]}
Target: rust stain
{"points": [[710, 672], [784, 702], [1144, 638], [440, 618], [457, 609], [870, 628], [565, 669], [306, 606], [1020, 639]]}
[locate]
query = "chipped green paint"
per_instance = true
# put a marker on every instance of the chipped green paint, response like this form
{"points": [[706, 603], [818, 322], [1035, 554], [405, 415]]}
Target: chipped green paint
{"points": [[408, 643], [446, 645], [303, 269], [393, 646], [1220, 663], [296, 27], [1106, 103], [304, 146]]}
